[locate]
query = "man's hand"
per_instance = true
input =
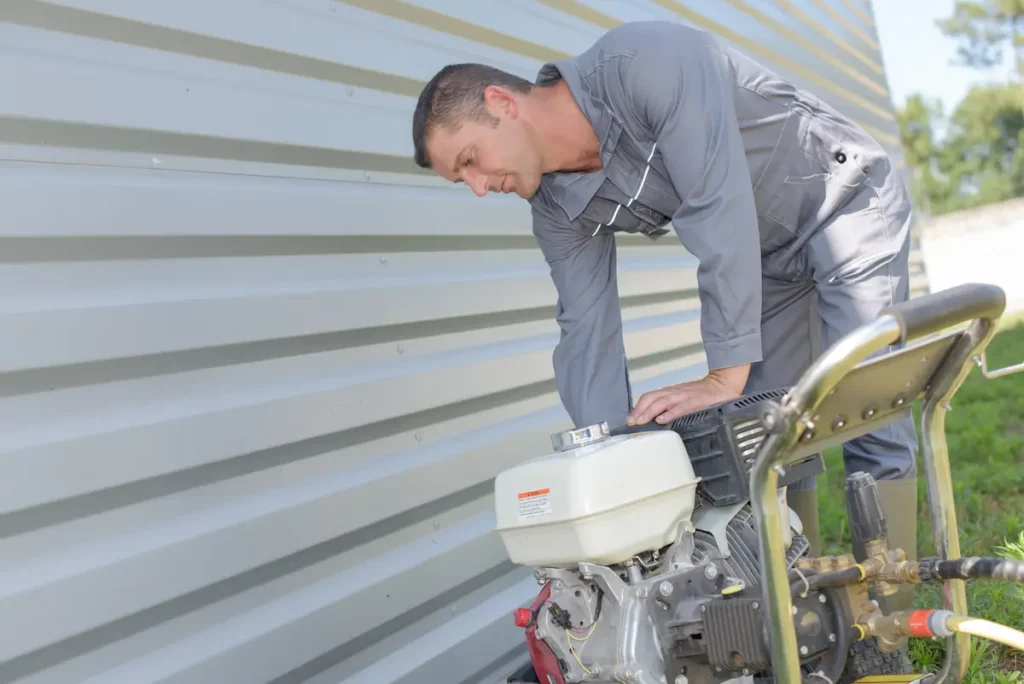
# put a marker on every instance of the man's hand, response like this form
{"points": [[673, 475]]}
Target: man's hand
{"points": [[669, 403]]}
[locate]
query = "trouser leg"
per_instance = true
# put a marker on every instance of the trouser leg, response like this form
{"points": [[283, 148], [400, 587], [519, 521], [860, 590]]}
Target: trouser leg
{"points": [[849, 299], [788, 339], [888, 453], [851, 294]]}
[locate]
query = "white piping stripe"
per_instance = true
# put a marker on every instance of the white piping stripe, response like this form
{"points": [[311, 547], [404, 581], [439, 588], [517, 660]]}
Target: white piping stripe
{"points": [[644, 179], [635, 194], [614, 214]]}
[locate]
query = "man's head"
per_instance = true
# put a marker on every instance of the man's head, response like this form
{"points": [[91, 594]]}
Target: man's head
{"points": [[472, 124]]}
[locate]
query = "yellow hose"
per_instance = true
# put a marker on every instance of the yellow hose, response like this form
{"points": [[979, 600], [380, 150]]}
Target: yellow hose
{"points": [[986, 630]]}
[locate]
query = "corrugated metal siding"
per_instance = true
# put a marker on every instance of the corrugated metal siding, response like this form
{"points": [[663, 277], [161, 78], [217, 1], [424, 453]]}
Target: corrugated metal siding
{"points": [[258, 369]]}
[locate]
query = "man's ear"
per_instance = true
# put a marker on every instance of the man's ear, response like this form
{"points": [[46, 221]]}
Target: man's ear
{"points": [[500, 101]]}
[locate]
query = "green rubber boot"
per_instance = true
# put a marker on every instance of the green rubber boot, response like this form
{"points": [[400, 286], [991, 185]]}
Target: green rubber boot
{"points": [[899, 502], [804, 503]]}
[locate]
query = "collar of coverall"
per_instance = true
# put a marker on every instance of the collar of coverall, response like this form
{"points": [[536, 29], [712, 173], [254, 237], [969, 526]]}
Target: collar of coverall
{"points": [[573, 191]]}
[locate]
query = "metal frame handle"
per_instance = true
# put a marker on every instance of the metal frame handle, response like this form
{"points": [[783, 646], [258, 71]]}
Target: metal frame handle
{"points": [[982, 362], [983, 305], [933, 312]]}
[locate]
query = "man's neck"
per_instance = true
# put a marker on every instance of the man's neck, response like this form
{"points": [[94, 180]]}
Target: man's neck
{"points": [[567, 138]]}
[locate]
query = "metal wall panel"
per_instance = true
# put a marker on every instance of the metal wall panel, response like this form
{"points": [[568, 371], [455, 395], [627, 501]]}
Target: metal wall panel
{"points": [[259, 370]]}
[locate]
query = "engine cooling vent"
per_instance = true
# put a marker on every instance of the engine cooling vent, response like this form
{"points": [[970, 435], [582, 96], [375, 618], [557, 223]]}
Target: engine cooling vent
{"points": [[748, 435], [741, 535], [695, 418], [722, 442], [758, 397]]}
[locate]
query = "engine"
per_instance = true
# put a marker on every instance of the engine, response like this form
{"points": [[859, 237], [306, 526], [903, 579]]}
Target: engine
{"points": [[646, 549]]}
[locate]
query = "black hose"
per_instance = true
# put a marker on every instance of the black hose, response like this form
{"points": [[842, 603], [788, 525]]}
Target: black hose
{"points": [[797, 579], [937, 570], [822, 580]]}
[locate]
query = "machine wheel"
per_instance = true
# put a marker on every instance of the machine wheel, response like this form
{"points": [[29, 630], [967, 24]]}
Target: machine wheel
{"points": [[865, 659]]}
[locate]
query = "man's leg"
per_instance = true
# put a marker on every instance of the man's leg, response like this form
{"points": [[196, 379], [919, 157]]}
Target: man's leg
{"points": [[788, 342], [871, 275]]}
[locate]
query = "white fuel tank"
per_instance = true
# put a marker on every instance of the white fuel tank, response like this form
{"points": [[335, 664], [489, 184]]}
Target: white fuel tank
{"points": [[597, 499]]}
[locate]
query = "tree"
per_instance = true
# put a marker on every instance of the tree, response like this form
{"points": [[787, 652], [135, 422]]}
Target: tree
{"points": [[917, 131], [984, 28], [982, 154], [981, 158]]}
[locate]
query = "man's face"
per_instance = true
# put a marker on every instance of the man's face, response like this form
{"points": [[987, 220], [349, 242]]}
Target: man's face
{"points": [[488, 157]]}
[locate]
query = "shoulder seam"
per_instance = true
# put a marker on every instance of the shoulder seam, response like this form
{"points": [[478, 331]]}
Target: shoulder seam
{"points": [[629, 55]]}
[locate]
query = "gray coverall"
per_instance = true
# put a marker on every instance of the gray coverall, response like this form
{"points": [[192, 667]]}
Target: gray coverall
{"points": [[784, 201]]}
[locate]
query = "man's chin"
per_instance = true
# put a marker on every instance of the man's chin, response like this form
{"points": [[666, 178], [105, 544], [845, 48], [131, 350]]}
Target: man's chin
{"points": [[527, 192]]}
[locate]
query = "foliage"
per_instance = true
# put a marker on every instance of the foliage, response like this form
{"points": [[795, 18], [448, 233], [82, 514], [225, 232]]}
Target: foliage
{"points": [[984, 28], [980, 160], [977, 159], [982, 155], [985, 432], [917, 132]]}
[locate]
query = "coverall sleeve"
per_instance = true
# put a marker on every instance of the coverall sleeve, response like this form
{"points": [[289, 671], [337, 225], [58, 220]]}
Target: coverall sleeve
{"points": [[589, 359], [681, 89]]}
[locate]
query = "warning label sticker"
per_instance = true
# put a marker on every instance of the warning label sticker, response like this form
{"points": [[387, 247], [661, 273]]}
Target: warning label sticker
{"points": [[535, 504]]}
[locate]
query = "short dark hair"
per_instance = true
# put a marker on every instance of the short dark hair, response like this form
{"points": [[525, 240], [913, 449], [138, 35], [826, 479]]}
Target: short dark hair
{"points": [[456, 94]]}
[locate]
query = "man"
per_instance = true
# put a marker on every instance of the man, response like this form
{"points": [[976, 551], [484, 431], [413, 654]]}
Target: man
{"points": [[785, 202]]}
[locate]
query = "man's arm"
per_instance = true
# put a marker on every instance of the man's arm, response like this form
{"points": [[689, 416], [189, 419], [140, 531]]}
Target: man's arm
{"points": [[589, 360], [679, 87]]}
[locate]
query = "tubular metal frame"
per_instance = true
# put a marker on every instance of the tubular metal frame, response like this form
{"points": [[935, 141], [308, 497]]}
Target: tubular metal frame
{"points": [[790, 422]]}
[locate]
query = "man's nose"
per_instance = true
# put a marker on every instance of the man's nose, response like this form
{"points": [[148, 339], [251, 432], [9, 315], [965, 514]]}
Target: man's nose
{"points": [[478, 183]]}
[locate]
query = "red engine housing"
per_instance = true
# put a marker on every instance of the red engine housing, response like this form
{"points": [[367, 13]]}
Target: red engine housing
{"points": [[545, 664]]}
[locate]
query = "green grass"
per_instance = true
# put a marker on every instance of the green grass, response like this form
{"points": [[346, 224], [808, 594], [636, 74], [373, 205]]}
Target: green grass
{"points": [[985, 431]]}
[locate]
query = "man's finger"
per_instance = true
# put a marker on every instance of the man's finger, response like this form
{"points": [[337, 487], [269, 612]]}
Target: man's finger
{"points": [[677, 410], [644, 411], [659, 405], [688, 403], [642, 406]]}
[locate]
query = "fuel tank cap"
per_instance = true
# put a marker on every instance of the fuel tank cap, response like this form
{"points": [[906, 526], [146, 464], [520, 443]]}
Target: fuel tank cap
{"points": [[570, 439]]}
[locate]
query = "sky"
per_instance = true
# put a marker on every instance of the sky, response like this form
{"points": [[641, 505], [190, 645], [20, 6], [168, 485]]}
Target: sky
{"points": [[917, 55]]}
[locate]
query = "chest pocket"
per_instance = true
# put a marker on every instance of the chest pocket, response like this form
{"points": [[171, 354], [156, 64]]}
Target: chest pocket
{"points": [[633, 198], [612, 211]]}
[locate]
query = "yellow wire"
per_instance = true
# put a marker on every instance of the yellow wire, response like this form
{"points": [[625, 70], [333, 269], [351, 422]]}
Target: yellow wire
{"points": [[573, 651], [576, 638]]}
